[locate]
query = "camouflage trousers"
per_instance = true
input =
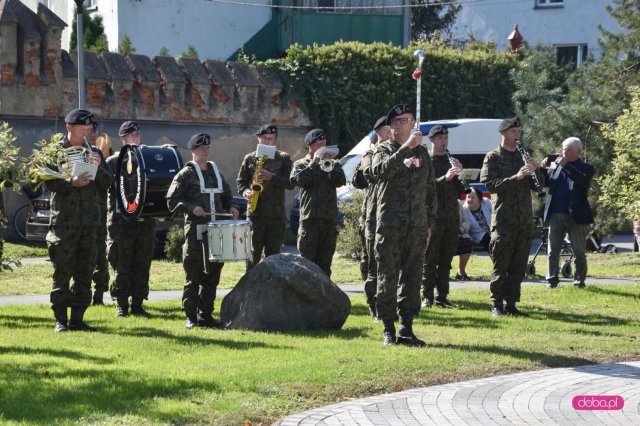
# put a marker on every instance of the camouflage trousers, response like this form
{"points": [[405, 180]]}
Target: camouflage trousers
{"points": [[72, 252], [199, 291], [130, 256], [437, 261], [101, 271], [317, 242], [399, 252], [267, 236], [509, 250], [371, 271]]}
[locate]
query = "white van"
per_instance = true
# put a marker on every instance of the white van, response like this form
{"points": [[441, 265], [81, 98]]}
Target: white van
{"points": [[469, 140]]}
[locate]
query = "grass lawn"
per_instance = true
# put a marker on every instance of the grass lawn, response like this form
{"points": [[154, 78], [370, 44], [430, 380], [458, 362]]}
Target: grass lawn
{"points": [[150, 371], [165, 275]]}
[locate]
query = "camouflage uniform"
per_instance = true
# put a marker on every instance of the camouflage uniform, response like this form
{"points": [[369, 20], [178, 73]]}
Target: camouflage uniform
{"points": [[406, 207], [130, 251], [318, 231], [363, 179], [268, 220], [101, 272], [511, 223], [72, 235], [445, 232], [183, 196]]}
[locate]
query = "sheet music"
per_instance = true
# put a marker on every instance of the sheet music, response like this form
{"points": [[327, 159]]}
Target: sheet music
{"points": [[80, 167], [328, 151], [265, 151]]}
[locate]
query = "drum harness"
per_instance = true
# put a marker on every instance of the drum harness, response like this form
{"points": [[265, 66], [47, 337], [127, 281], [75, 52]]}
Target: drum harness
{"points": [[201, 229]]}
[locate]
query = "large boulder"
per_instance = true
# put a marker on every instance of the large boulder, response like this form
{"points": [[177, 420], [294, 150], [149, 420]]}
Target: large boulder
{"points": [[286, 292]]}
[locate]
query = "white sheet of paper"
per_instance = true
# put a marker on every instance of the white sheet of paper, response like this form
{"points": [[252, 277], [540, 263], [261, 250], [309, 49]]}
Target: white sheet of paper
{"points": [[81, 167]]}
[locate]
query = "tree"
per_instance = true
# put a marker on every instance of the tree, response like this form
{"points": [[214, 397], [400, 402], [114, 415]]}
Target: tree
{"points": [[93, 37], [126, 46], [164, 51], [190, 53], [431, 17], [622, 186]]}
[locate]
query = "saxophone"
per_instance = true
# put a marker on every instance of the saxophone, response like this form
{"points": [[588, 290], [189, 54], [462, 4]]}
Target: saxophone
{"points": [[256, 186]]}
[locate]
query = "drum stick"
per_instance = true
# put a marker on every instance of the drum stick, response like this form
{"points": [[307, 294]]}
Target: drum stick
{"points": [[219, 214]]}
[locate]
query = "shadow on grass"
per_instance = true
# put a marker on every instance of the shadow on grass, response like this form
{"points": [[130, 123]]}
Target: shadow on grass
{"points": [[26, 321], [90, 393], [74, 355], [611, 292], [549, 360]]}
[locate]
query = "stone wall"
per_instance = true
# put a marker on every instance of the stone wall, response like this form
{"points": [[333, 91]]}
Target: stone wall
{"points": [[171, 98]]}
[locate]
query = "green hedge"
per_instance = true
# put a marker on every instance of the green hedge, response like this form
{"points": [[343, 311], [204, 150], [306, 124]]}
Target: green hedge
{"points": [[346, 86]]}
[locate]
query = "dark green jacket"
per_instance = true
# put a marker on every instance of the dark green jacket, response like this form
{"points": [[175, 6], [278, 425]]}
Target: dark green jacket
{"points": [[448, 192], [511, 197], [71, 207], [317, 189], [406, 196], [271, 199]]}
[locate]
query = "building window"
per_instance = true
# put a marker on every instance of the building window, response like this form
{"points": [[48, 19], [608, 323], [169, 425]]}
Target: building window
{"points": [[361, 7], [549, 3], [575, 54]]}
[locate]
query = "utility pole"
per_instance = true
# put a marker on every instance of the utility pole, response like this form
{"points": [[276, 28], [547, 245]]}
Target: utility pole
{"points": [[79, 47]]}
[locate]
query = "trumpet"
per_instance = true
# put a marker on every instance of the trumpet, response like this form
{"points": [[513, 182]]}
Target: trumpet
{"points": [[525, 157], [327, 165], [465, 184]]}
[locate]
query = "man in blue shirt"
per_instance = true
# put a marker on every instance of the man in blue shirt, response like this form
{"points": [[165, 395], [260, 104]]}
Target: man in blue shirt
{"points": [[567, 210]]}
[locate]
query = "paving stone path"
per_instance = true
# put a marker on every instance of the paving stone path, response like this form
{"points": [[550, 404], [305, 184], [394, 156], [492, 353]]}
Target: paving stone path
{"points": [[532, 398]]}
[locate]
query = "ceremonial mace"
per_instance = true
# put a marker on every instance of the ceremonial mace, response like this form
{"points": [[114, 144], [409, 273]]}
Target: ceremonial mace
{"points": [[417, 76]]}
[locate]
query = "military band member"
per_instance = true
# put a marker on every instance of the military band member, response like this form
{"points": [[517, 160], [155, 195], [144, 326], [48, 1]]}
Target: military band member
{"points": [[406, 207], [185, 196], [71, 239], [101, 272], [130, 243], [363, 179], [444, 238], [318, 230], [509, 179], [268, 220]]}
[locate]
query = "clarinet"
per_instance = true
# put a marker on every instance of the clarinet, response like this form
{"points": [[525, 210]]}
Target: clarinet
{"points": [[525, 158], [465, 184]]}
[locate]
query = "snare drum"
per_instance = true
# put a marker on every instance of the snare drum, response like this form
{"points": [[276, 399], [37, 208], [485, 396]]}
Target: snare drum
{"points": [[143, 176], [229, 240]]}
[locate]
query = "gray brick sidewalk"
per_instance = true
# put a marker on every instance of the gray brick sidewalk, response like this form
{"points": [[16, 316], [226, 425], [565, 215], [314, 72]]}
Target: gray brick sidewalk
{"points": [[533, 398]]}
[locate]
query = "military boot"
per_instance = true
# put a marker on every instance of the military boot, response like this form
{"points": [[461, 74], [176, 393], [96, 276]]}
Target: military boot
{"points": [[389, 333], [77, 321], [497, 309], [97, 298], [61, 319], [373, 312], [137, 309], [192, 318], [406, 336], [510, 309], [123, 307], [207, 321]]}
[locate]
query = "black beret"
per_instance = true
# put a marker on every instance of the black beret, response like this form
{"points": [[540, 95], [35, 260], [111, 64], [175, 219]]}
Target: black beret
{"points": [[79, 116], [198, 140], [508, 123], [398, 110], [128, 127], [382, 121], [313, 136], [267, 129], [438, 129]]}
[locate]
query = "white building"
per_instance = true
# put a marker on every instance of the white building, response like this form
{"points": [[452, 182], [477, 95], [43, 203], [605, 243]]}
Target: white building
{"points": [[215, 29], [570, 26]]}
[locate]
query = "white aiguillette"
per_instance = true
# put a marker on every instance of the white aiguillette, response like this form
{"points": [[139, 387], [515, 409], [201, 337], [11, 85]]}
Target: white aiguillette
{"points": [[265, 151], [80, 167]]}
